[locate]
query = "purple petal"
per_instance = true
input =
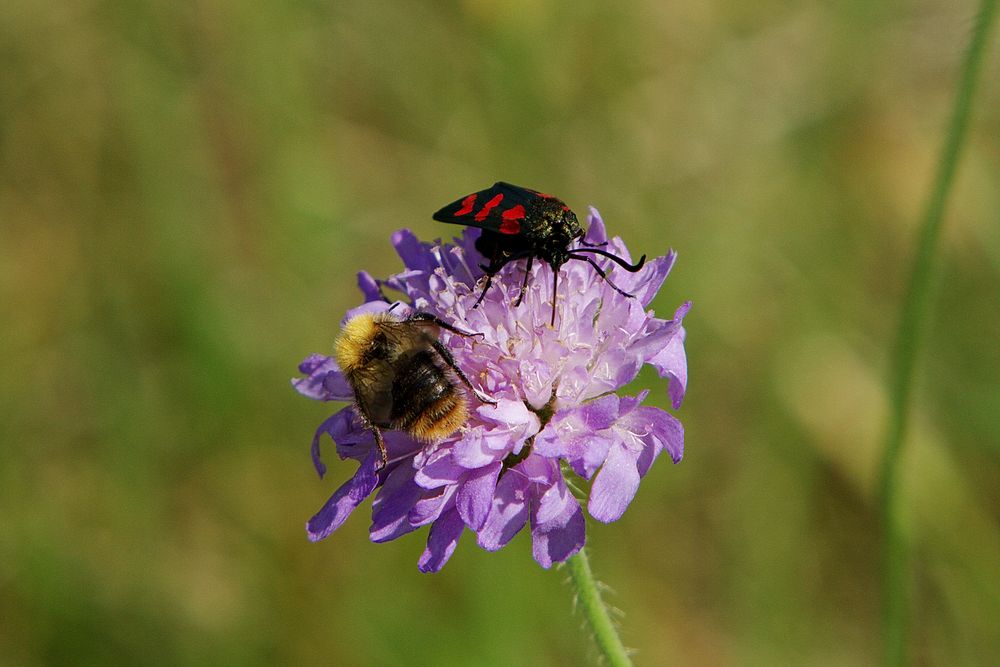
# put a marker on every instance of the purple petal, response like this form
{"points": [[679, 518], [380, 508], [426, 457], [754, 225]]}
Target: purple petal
{"points": [[595, 231], [648, 281], [369, 287], [317, 362], [439, 470], [475, 495], [559, 538], [615, 484], [667, 355], [473, 451], [324, 381], [575, 434], [415, 255], [629, 403], [657, 430], [369, 307], [431, 505], [341, 428], [539, 469], [535, 377], [441, 542], [672, 364], [512, 415], [553, 502], [392, 505], [400, 446], [509, 512], [344, 500]]}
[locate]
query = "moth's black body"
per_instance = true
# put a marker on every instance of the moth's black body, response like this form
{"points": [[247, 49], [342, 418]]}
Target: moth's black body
{"points": [[520, 223]]}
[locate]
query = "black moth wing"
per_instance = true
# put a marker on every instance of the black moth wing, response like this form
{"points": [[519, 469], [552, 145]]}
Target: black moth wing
{"points": [[485, 209]]}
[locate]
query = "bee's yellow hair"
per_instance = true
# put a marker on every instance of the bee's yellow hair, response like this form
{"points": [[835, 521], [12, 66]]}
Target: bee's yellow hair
{"points": [[349, 347]]}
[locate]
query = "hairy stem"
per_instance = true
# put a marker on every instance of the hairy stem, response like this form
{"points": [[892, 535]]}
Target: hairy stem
{"points": [[896, 566], [596, 612]]}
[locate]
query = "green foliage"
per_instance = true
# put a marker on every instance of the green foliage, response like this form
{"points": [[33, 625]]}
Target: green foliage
{"points": [[186, 194]]}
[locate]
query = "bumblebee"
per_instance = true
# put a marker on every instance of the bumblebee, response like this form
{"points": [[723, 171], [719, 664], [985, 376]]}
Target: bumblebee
{"points": [[401, 375]]}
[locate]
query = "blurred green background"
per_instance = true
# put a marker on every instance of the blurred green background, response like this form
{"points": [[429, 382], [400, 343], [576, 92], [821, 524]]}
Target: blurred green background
{"points": [[187, 190]]}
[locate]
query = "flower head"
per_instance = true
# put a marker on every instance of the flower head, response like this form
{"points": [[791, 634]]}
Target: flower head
{"points": [[554, 388]]}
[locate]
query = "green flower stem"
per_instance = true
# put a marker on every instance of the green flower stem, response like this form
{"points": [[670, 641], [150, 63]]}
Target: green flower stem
{"points": [[907, 346], [596, 612]]}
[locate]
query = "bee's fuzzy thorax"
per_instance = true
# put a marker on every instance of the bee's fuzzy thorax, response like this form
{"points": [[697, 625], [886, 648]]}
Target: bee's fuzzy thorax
{"points": [[350, 344]]}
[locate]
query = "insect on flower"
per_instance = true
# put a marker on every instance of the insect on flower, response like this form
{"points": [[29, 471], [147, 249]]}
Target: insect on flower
{"points": [[520, 223], [559, 402], [399, 372]]}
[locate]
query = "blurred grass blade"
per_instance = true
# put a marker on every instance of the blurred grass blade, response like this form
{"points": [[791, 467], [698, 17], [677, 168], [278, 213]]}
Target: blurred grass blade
{"points": [[908, 339]]}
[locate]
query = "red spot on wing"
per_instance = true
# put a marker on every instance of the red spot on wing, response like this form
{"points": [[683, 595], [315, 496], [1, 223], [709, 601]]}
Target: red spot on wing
{"points": [[511, 217], [485, 210], [466, 205]]}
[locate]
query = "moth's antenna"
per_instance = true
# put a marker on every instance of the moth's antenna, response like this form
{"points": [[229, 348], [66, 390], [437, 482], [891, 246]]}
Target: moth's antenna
{"points": [[631, 268]]}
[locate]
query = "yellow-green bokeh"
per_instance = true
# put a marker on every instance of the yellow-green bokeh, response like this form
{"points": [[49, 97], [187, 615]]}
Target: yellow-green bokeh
{"points": [[187, 190]]}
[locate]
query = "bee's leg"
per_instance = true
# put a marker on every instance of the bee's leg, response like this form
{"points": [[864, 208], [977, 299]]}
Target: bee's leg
{"points": [[379, 442], [524, 285], [450, 360], [422, 317]]}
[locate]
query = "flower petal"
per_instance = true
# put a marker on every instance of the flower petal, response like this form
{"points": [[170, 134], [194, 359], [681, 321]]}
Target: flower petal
{"points": [[559, 538], [431, 505], [369, 287], [324, 381], [474, 451], [344, 500], [615, 484], [372, 307], [392, 505], [508, 413], [341, 428], [509, 512], [595, 230], [657, 430], [671, 361], [475, 495], [579, 434], [439, 470], [647, 282], [441, 542], [553, 502], [415, 255]]}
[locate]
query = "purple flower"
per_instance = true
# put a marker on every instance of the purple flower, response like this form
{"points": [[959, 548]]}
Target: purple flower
{"points": [[554, 388]]}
